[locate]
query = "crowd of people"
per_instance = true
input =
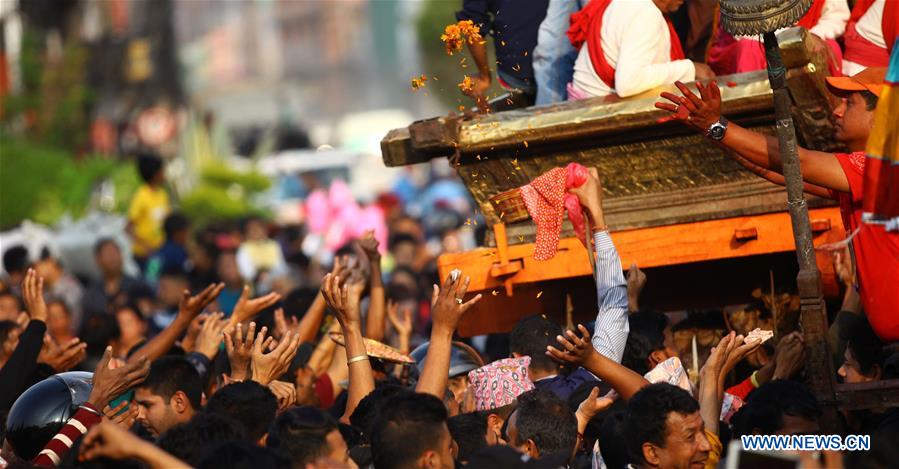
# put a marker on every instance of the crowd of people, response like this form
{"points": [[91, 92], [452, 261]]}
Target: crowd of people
{"points": [[234, 348], [200, 372]]}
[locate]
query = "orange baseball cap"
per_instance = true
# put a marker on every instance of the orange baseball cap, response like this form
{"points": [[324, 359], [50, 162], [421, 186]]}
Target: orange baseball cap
{"points": [[870, 79]]}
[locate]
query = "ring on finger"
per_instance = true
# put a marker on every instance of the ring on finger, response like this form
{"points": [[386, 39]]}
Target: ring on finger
{"points": [[459, 300]]}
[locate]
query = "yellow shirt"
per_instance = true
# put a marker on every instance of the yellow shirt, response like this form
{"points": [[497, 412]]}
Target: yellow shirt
{"points": [[148, 210]]}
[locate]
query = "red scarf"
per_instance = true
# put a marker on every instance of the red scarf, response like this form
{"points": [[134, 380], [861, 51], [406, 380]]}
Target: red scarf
{"points": [[812, 15], [586, 26]]}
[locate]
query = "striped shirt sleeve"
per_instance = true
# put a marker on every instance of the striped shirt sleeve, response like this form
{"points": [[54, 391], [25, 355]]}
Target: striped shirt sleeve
{"points": [[610, 332], [86, 417]]}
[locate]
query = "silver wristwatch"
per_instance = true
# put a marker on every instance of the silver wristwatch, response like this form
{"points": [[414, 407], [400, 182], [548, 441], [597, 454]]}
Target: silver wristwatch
{"points": [[716, 131]]}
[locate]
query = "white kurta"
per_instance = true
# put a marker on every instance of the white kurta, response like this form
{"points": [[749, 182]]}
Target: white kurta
{"points": [[636, 43], [870, 27]]}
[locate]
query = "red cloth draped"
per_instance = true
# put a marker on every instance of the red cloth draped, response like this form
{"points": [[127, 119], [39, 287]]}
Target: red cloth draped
{"points": [[547, 198], [813, 14], [586, 26]]}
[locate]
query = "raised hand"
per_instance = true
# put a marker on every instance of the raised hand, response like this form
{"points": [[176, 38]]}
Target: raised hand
{"points": [[108, 440], [286, 393], [284, 325], [62, 358], [369, 246], [589, 195], [189, 342], [191, 306], [575, 350], [210, 335], [343, 301], [449, 304], [246, 309], [593, 405], [124, 415], [266, 367], [239, 349], [789, 355], [109, 383], [845, 269], [400, 319], [636, 280], [699, 112], [33, 294]]}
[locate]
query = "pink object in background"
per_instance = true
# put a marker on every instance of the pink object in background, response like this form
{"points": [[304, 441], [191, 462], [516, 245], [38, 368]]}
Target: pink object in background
{"points": [[337, 217], [499, 383]]}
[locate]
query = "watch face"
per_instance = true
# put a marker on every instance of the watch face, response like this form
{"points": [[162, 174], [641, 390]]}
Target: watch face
{"points": [[717, 131]]}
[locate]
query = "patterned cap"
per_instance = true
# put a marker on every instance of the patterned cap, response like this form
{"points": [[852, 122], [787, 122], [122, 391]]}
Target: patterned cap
{"points": [[499, 383]]}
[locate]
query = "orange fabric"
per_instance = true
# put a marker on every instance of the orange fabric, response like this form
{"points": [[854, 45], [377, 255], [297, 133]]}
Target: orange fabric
{"points": [[813, 14], [546, 199], [586, 26]]}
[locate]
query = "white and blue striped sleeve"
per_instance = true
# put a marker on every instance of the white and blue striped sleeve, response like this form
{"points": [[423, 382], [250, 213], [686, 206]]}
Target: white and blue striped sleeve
{"points": [[610, 332]]}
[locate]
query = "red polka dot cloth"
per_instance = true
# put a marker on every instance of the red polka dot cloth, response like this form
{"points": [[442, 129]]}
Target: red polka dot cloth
{"points": [[546, 199]]}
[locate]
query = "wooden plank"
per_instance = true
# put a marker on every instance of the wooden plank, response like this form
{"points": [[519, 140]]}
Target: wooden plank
{"points": [[650, 247], [873, 395]]}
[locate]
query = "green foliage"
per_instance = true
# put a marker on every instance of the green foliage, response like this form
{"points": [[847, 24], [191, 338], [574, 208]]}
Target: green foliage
{"points": [[52, 105], [224, 194], [449, 69], [40, 182]]}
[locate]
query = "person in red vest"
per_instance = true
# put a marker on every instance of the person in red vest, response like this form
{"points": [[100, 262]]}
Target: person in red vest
{"points": [[839, 175], [870, 34], [826, 19], [627, 47]]}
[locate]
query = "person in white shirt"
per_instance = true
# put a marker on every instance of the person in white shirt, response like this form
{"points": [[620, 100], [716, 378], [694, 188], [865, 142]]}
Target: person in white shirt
{"points": [[866, 43], [639, 49], [825, 19]]}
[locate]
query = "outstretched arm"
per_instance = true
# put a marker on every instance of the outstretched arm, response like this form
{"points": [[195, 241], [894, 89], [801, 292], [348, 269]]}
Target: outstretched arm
{"points": [[610, 333], [700, 112], [448, 311], [578, 351], [188, 309]]}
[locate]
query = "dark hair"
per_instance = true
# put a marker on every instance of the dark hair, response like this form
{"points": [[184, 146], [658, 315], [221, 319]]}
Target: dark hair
{"points": [[766, 406], [187, 441], [175, 223], [366, 413], [547, 421], [59, 301], [102, 242], [148, 165], [301, 434], [5, 328], [613, 445], [647, 334], [866, 347], [241, 455], [15, 259], [408, 425], [400, 238], [249, 403], [647, 415], [469, 431], [169, 375], [870, 99], [530, 336]]}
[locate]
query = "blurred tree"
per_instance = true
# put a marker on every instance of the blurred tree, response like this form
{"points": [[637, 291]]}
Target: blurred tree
{"points": [[444, 71], [42, 182]]}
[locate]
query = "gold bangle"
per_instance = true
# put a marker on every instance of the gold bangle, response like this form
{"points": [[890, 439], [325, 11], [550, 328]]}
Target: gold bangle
{"points": [[355, 359]]}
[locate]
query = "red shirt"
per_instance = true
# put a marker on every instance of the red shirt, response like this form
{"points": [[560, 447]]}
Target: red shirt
{"points": [[876, 254]]}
